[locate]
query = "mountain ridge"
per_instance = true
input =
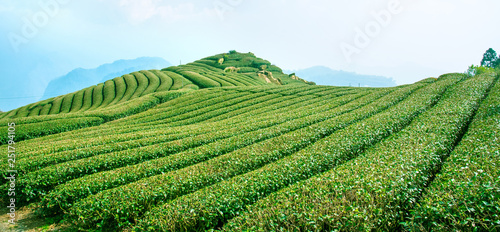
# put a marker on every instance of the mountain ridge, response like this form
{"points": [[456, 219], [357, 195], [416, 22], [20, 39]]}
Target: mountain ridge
{"points": [[323, 75]]}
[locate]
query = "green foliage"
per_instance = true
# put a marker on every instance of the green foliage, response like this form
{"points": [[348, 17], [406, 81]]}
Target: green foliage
{"points": [[195, 148], [489, 58], [46, 125], [244, 135], [45, 109], [465, 196], [178, 80], [165, 81], [34, 111], [87, 99], [56, 105], [248, 69], [479, 70], [131, 83], [195, 177], [108, 93], [120, 89], [200, 80], [274, 68], [77, 101], [142, 84], [217, 203], [153, 82], [376, 190], [97, 97], [67, 103]]}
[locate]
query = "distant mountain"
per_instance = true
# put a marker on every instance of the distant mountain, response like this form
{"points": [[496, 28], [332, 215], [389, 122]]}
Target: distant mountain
{"points": [[81, 78], [325, 76]]}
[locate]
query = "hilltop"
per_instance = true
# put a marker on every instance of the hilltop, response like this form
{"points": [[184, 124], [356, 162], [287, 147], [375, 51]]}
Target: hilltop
{"points": [[141, 90]]}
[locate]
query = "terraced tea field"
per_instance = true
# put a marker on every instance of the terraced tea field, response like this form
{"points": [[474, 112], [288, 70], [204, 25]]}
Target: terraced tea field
{"points": [[231, 145]]}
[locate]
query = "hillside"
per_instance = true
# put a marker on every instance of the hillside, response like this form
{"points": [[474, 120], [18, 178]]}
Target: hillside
{"points": [[81, 78], [238, 145], [139, 91], [325, 76]]}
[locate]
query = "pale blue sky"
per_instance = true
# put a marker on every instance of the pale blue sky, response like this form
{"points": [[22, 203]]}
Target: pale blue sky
{"points": [[403, 39]]}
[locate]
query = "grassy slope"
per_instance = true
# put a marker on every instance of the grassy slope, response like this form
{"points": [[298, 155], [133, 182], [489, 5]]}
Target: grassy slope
{"points": [[239, 153], [135, 92]]}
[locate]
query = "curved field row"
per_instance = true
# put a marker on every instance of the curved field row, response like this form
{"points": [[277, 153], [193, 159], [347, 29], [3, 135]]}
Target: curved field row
{"points": [[218, 203], [183, 181], [262, 129], [199, 148], [32, 160], [97, 97], [39, 150], [257, 110], [218, 77], [33, 186], [154, 82], [142, 84], [378, 189], [108, 92], [92, 132], [120, 89], [77, 103], [178, 80], [87, 99], [99, 145], [67, 103], [102, 100], [132, 84], [35, 163], [199, 79], [466, 191], [125, 88]]}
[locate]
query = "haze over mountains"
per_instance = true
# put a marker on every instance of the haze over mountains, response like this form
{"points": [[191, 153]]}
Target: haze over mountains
{"points": [[322, 75], [81, 78]]}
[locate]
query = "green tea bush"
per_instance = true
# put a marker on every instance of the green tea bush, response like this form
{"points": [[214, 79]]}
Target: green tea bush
{"points": [[108, 93], [154, 82], [77, 101], [94, 209], [142, 84], [376, 190], [200, 80], [97, 97], [120, 89], [87, 99], [178, 80], [56, 105], [465, 195], [131, 84], [213, 205], [165, 81]]}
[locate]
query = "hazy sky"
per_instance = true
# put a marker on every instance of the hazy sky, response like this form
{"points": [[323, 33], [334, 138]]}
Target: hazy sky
{"points": [[403, 39]]}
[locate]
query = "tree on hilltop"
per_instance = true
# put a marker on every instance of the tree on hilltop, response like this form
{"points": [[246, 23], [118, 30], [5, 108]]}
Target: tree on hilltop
{"points": [[490, 59]]}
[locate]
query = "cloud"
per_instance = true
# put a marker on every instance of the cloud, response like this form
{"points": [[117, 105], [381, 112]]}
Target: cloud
{"points": [[139, 12], [6, 8]]}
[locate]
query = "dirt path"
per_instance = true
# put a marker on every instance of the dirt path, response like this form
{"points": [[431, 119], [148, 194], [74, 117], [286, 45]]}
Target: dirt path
{"points": [[25, 221]]}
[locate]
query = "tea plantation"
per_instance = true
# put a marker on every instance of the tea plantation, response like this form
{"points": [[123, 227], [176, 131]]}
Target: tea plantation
{"points": [[231, 143]]}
